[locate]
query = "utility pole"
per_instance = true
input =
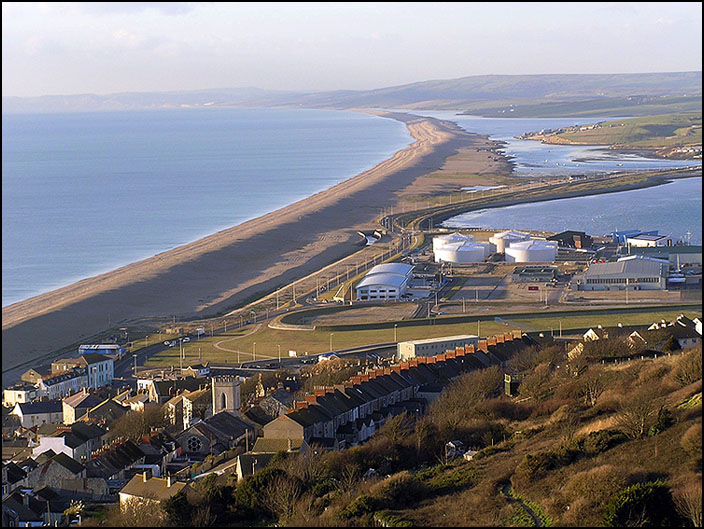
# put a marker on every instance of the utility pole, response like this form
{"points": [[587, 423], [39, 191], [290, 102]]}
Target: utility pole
{"points": [[279, 346], [254, 351]]}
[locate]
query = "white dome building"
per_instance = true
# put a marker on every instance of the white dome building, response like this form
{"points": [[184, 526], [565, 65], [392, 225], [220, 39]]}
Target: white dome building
{"points": [[503, 239], [531, 252]]}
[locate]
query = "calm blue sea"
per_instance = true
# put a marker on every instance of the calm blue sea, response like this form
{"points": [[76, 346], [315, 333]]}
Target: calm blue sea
{"points": [[674, 209], [84, 193]]}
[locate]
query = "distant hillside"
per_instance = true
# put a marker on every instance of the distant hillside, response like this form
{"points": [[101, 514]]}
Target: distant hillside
{"points": [[484, 95], [669, 135]]}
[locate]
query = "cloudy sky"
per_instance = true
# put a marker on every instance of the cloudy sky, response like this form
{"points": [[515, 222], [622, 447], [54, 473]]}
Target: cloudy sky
{"points": [[94, 47]]}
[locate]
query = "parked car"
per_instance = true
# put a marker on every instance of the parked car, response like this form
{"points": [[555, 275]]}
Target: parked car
{"points": [[186, 339], [167, 343]]}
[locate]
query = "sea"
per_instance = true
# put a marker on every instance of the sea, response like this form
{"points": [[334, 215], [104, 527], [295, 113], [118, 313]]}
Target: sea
{"points": [[85, 193]]}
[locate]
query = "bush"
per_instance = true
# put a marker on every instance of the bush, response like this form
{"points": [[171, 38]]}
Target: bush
{"points": [[458, 478], [362, 505], [399, 490], [688, 367], [691, 441], [643, 504], [601, 441], [388, 518]]}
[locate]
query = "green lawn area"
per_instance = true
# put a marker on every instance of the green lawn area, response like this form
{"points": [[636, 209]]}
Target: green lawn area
{"points": [[545, 323], [312, 342]]}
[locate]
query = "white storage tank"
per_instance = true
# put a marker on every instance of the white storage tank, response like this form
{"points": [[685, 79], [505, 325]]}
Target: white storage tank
{"points": [[468, 252], [531, 252], [503, 239], [451, 238]]}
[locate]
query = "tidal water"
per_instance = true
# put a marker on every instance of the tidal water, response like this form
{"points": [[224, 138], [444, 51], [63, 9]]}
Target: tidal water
{"points": [[674, 209], [532, 158], [85, 193]]}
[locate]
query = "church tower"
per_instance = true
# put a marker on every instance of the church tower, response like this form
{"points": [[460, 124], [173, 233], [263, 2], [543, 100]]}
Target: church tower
{"points": [[226, 394]]}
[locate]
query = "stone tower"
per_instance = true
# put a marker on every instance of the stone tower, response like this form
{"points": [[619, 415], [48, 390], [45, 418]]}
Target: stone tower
{"points": [[226, 394]]}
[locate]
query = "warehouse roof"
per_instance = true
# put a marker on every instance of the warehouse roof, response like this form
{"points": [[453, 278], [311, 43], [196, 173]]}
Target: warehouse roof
{"points": [[628, 266]]}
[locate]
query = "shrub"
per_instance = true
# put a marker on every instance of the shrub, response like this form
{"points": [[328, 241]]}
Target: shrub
{"points": [[601, 441], [691, 441], [664, 421], [387, 518], [643, 504], [463, 476], [362, 505], [688, 367], [399, 490]]}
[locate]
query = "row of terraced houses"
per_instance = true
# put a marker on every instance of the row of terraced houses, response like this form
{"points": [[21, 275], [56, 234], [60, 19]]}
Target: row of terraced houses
{"points": [[344, 415]]}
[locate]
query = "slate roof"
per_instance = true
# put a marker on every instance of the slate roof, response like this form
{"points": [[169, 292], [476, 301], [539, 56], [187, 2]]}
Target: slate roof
{"points": [[260, 461], [44, 406], [68, 463], [82, 399], [14, 473], [228, 425], [272, 446], [258, 415], [154, 488], [114, 461], [94, 358]]}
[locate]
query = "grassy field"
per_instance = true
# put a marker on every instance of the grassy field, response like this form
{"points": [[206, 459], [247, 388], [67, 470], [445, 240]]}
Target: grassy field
{"points": [[667, 130], [224, 348]]}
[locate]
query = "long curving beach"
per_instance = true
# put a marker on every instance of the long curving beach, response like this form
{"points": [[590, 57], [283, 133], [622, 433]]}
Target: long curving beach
{"points": [[216, 273]]}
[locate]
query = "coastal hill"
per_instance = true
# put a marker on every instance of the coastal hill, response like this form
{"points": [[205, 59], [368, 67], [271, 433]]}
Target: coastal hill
{"points": [[489, 95], [666, 135]]}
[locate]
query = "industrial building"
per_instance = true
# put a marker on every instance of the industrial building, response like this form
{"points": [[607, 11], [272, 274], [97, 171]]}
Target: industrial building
{"points": [[502, 240], [533, 274], [384, 282], [433, 346], [632, 273], [677, 255], [572, 239], [458, 248], [620, 237], [648, 241], [532, 251]]}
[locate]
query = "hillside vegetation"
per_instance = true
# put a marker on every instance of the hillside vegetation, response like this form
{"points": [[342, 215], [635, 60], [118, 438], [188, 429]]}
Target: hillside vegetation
{"points": [[488, 95], [664, 133], [584, 443]]}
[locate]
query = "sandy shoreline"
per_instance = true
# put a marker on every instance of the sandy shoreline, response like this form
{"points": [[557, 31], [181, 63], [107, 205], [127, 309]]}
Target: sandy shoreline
{"points": [[209, 276]]}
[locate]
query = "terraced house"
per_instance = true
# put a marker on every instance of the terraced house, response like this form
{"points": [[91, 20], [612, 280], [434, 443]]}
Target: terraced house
{"points": [[344, 415]]}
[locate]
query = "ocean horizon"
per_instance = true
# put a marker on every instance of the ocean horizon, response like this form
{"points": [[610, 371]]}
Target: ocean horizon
{"points": [[85, 193]]}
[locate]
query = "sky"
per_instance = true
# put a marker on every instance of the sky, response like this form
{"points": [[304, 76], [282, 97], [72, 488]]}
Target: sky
{"points": [[103, 47]]}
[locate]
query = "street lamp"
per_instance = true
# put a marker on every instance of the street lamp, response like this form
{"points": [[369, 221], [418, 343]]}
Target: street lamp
{"points": [[135, 365], [331, 340], [395, 325], [240, 320], [254, 351], [224, 322], [279, 346], [146, 341]]}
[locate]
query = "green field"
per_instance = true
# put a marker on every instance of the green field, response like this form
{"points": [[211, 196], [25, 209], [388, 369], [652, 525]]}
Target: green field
{"points": [[664, 131], [318, 341]]}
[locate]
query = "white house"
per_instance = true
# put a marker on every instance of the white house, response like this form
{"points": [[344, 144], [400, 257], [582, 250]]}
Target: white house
{"points": [[60, 385], [100, 369], [38, 413]]}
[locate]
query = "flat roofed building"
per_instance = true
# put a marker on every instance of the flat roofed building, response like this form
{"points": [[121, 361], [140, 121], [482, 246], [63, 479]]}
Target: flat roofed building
{"points": [[677, 255], [645, 240], [385, 281], [631, 273], [433, 346], [533, 273]]}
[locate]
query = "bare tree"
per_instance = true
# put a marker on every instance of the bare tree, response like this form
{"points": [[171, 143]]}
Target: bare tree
{"points": [[637, 413], [689, 502], [592, 386], [281, 495]]}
